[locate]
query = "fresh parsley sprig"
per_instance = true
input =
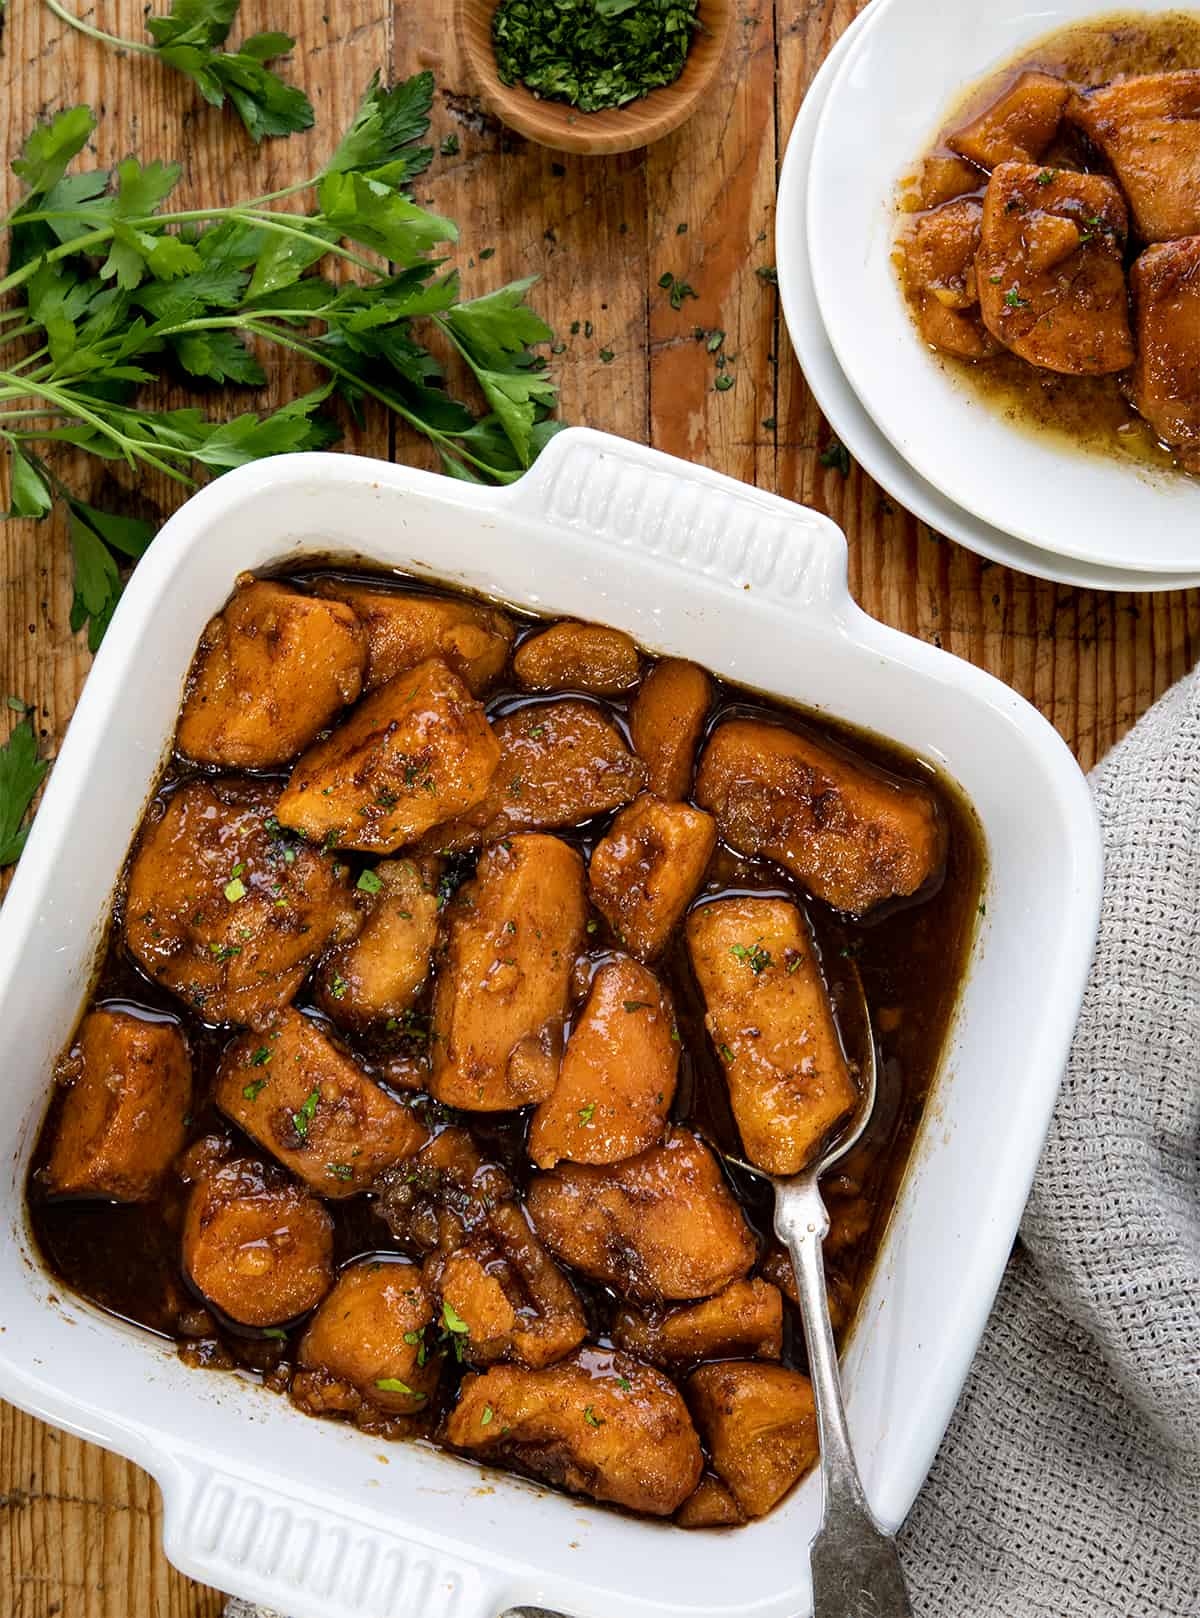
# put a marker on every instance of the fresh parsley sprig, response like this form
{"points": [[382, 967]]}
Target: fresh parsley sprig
{"points": [[190, 39], [21, 773], [116, 291]]}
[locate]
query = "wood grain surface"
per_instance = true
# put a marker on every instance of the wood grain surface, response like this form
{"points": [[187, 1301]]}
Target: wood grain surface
{"points": [[80, 1531]]}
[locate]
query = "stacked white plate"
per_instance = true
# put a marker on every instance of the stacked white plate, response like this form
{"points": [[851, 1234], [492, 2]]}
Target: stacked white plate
{"points": [[876, 104]]}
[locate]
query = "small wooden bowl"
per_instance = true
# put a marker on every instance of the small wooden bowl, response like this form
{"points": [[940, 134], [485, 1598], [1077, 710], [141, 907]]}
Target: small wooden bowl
{"points": [[617, 129]]}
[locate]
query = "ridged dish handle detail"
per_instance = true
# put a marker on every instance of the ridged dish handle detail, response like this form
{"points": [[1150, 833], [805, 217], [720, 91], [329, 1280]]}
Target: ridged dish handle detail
{"points": [[235, 1534], [630, 497]]}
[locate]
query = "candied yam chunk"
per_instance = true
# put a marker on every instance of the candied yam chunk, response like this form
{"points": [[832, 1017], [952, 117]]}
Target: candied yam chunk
{"points": [[304, 1101], [770, 1017], [224, 909], [853, 834], [939, 271], [128, 1084], [368, 1339], [560, 764], [1018, 127], [1166, 379], [416, 752], [943, 179], [597, 1424], [647, 869], [501, 992], [759, 1427], [1148, 127], [1051, 269], [666, 719], [660, 1225], [617, 1078], [271, 671], [379, 974], [580, 657], [508, 1299], [256, 1244], [710, 1505], [404, 629], [746, 1317]]}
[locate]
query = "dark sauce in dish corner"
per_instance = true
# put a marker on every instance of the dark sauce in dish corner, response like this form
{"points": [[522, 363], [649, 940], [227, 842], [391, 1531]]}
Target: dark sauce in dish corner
{"points": [[912, 956]]}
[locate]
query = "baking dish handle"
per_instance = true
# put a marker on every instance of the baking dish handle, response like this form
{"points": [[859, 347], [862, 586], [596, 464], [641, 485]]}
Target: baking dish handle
{"points": [[626, 496], [248, 1537]]}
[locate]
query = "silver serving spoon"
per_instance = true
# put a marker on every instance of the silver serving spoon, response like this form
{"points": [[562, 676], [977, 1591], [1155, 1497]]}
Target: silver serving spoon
{"points": [[855, 1563]]}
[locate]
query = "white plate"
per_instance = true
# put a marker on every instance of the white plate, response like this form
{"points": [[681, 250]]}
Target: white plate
{"points": [[301, 1514], [841, 406], [905, 66]]}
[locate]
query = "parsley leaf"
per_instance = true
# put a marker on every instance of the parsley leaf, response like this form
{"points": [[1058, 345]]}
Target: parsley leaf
{"points": [[21, 773]]}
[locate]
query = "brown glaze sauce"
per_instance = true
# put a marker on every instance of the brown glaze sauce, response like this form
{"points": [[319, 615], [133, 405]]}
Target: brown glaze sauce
{"points": [[912, 958], [1089, 413]]}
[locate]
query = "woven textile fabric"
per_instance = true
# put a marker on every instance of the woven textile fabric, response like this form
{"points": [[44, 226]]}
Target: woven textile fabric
{"points": [[1068, 1485]]}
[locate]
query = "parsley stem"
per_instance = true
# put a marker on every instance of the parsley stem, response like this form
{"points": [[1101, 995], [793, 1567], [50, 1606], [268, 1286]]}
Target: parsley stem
{"points": [[98, 33], [273, 335]]}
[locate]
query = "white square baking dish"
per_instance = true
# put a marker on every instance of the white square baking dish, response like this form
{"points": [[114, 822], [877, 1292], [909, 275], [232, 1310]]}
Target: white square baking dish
{"points": [[319, 1520]]}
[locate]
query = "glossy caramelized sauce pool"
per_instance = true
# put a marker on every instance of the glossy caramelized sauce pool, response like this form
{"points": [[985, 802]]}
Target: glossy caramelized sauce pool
{"points": [[1082, 412], [911, 956]]}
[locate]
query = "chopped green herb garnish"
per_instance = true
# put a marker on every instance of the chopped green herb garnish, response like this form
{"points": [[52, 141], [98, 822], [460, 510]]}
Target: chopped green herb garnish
{"points": [[768, 273], [586, 1114], [302, 1119], [607, 356], [277, 1332], [592, 1419], [724, 382], [261, 1057], [1047, 176], [452, 1320], [338, 986], [715, 339], [369, 882], [726, 1053], [449, 146], [393, 1384], [592, 54], [486, 1417], [254, 1089], [340, 1171], [638, 1005], [624, 1384], [235, 890], [1014, 300], [756, 957], [225, 952]]}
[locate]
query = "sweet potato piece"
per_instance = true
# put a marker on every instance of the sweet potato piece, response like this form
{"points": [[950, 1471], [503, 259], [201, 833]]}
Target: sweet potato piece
{"points": [[1166, 379], [579, 657], [1148, 127], [271, 670], [665, 721], [295, 1093], [416, 752], [660, 1225], [513, 1299], [484, 1259], [560, 763], [597, 1424], [1051, 269], [256, 1244], [647, 869], [711, 1505], [943, 179], [226, 911], [379, 974], [770, 1018], [759, 1427], [617, 1079], [405, 629], [853, 834], [745, 1318], [370, 1333], [129, 1088], [501, 996], [1018, 127], [939, 271]]}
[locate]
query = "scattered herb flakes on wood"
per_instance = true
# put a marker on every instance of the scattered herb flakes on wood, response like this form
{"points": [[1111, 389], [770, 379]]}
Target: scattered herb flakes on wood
{"points": [[190, 39], [109, 291], [836, 456], [592, 53]]}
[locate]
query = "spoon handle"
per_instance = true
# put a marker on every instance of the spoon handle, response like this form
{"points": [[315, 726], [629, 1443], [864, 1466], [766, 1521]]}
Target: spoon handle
{"points": [[855, 1564]]}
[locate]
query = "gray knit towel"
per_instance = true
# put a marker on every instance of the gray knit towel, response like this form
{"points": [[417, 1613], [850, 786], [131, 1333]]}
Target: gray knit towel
{"points": [[1068, 1485]]}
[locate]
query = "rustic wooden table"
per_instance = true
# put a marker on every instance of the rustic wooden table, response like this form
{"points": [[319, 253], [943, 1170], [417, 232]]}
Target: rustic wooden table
{"points": [[80, 1530]]}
